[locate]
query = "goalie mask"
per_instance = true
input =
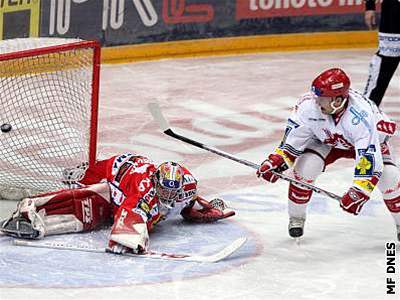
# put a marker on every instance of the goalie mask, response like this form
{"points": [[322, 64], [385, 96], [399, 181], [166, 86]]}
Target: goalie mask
{"points": [[168, 183]]}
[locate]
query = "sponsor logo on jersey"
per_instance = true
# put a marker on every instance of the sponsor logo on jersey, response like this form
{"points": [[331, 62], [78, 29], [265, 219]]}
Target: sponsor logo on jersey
{"points": [[387, 127], [121, 159], [87, 212], [336, 140], [358, 117], [187, 194], [141, 213], [365, 185], [143, 205], [149, 196], [187, 178], [365, 166], [117, 195]]}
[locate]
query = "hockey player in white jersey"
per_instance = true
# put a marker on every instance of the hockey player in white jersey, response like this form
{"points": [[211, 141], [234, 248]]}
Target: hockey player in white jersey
{"points": [[330, 122]]}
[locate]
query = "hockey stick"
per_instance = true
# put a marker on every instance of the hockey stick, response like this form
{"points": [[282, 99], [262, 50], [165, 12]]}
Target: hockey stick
{"points": [[212, 258], [163, 123]]}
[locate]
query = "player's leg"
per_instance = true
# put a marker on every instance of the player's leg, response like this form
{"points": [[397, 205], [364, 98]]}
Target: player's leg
{"points": [[381, 70], [306, 169], [60, 212], [389, 185]]}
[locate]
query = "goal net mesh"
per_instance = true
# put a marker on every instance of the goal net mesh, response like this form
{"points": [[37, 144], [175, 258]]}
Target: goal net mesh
{"points": [[48, 94]]}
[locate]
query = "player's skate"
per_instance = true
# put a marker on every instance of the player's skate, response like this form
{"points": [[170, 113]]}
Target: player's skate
{"points": [[296, 227], [398, 232]]}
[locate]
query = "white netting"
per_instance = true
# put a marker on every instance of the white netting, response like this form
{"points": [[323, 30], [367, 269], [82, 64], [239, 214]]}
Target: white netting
{"points": [[47, 99]]}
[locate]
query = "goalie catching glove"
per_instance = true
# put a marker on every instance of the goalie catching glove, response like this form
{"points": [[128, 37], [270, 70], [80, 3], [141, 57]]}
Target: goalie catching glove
{"points": [[211, 211]]}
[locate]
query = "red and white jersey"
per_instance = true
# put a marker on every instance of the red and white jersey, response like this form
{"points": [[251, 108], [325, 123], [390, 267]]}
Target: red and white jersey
{"points": [[130, 178], [362, 127]]}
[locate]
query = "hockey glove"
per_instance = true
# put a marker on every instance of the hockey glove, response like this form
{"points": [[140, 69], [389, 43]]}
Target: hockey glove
{"points": [[129, 233], [274, 162], [353, 200], [212, 211]]}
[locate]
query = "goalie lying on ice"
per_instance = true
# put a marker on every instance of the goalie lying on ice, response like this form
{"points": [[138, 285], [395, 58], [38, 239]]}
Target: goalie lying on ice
{"points": [[127, 191]]}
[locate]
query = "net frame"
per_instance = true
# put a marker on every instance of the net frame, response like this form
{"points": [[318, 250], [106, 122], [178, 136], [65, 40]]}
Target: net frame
{"points": [[60, 46]]}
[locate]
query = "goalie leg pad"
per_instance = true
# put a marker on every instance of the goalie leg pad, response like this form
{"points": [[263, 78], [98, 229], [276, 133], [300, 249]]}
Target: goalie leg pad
{"points": [[90, 206], [65, 211]]}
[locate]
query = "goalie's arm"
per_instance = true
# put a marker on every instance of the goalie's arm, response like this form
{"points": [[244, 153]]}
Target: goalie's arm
{"points": [[199, 210]]}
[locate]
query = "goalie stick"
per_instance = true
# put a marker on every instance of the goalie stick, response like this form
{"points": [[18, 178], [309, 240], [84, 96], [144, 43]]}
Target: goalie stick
{"points": [[212, 258], [155, 110]]}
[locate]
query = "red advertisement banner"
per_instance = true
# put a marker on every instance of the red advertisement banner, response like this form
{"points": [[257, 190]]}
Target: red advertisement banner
{"points": [[253, 9], [178, 12]]}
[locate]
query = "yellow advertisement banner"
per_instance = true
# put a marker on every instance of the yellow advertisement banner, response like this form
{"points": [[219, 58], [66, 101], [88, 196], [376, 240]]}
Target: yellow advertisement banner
{"points": [[10, 6]]}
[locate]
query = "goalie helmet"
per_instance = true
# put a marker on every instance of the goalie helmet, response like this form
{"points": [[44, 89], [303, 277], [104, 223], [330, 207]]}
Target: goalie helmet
{"points": [[331, 83], [169, 183]]}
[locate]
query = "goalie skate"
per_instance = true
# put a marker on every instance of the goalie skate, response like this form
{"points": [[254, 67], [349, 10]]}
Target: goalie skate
{"points": [[296, 227], [19, 227]]}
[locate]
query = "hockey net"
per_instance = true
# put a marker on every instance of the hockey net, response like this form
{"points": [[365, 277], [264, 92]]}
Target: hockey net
{"points": [[49, 96]]}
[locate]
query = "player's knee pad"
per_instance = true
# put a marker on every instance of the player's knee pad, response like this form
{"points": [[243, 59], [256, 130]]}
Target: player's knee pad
{"points": [[393, 204], [389, 185], [308, 167]]}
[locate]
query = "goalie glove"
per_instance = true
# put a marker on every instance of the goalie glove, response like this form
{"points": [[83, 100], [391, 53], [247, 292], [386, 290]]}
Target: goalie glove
{"points": [[353, 201], [210, 212], [129, 233]]}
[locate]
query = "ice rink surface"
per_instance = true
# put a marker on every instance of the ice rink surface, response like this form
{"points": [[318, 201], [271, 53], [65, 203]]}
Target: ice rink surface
{"points": [[238, 104]]}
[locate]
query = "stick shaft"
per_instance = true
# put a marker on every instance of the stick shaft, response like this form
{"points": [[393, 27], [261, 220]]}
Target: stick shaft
{"points": [[163, 123]]}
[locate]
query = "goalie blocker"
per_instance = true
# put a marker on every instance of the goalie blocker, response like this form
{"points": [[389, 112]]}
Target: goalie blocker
{"points": [[135, 197]]}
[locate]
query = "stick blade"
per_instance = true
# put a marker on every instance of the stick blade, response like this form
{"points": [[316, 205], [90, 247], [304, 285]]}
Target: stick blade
{"points": [[155, 111], [228, 250]]}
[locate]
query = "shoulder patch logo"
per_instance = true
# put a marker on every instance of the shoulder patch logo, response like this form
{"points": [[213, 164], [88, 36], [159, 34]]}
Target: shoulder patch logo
{"points": [[365, 166]]}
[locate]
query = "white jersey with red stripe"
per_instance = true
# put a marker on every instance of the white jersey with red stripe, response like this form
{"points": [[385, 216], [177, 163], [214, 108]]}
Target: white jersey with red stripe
{"points": [[361, 127]]}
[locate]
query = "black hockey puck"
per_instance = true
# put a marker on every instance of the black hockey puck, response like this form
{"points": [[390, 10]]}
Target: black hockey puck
{"points": [[5, 127]]}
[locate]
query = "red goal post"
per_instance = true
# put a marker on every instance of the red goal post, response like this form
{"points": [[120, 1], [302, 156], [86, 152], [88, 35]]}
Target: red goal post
{"points": [[49, 91]]}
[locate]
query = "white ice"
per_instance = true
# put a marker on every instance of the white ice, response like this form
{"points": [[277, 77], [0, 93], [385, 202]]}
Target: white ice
{"points": [[238, 104]]}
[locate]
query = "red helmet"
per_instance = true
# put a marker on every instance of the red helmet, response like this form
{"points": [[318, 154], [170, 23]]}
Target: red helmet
{"points": [[331, 83]]}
